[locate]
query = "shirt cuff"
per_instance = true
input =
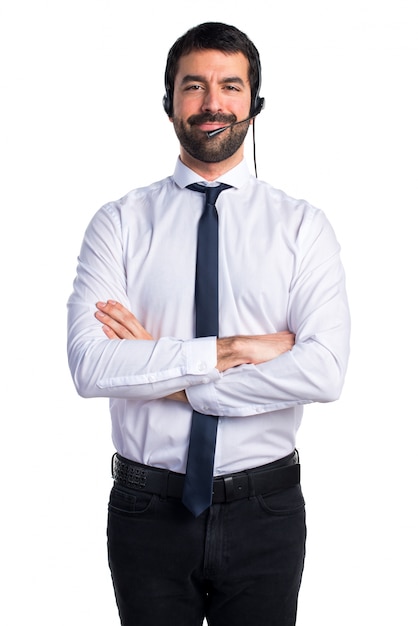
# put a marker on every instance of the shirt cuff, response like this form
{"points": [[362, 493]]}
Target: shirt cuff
{"points": [[201, 358]]}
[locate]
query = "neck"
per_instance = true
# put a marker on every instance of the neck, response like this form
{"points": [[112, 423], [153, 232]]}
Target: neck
{"points": [[210, 171]]}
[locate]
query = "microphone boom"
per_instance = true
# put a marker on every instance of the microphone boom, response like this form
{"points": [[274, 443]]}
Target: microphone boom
{"points": [[212, 133]]}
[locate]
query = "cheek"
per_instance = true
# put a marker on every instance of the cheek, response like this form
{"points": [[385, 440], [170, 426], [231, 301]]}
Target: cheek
{"points": [[185, 105], [180, 111]]}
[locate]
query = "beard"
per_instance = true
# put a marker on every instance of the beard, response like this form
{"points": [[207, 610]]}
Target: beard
{"points": [[210, 149]]}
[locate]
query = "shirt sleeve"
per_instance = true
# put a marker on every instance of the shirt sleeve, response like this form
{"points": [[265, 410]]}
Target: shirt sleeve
{"points": [[124, 368], [318, 314]]}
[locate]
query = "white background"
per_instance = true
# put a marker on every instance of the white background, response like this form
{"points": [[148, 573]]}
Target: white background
{"points": [[81, 124]]}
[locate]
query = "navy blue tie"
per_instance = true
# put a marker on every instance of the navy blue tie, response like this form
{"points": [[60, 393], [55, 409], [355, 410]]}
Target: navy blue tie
{"points": [[197, 493]]}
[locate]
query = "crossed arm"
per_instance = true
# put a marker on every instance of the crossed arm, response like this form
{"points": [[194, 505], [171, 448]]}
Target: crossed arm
{"points": [[119, 323]]}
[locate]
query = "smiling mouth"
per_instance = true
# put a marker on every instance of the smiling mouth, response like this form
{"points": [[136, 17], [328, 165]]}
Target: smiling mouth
{"points": [[211, 122], [208, 126]]}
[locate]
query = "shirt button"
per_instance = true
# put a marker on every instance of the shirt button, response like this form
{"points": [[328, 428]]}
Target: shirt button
{"points": [[205, 380], [152, 378], [201, 366]]}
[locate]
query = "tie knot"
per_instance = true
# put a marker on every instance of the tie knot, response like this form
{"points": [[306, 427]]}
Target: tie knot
{"points": [[212, 193]]}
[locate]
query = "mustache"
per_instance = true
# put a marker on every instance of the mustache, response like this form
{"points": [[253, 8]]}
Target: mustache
{"points": [[202, 118]]}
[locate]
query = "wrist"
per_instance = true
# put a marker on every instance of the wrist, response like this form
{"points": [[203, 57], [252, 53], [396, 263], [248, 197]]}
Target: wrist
{"points": [[230, 352]]}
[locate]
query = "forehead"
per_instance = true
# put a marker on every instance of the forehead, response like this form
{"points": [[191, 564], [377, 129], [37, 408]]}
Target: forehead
{"points": [[213, 63]]}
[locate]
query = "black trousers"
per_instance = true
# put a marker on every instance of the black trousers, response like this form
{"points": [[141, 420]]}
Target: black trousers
{"points": [[238, 564]]}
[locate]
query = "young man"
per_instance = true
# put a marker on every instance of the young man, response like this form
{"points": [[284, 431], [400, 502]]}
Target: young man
{"points": [[280, 341]]}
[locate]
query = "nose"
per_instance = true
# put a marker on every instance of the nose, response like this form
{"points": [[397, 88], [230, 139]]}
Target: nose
{"points": [[212, 102]]}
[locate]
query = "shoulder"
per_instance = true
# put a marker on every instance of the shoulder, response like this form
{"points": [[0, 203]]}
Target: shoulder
{"points": [[282, 204], [139, 197], [298, 218], [135, 202]]}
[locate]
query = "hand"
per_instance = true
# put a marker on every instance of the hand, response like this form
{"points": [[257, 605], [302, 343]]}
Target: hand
{"points": [[118, 322], [178, 396], [254, 349]]}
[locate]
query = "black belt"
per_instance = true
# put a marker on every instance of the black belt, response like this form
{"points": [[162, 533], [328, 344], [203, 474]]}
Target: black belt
{"points": [[260, 480]]}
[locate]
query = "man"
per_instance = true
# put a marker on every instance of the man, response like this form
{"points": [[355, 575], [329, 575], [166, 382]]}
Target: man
{"points": [[281, 342]]}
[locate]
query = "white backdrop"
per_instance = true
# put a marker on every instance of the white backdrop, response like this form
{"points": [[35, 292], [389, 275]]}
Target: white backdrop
{"points": [[81, 124]]}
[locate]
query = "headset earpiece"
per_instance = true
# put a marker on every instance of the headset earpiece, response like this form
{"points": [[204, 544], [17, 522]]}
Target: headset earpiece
{"points": [[168, 103], [257, 107]]}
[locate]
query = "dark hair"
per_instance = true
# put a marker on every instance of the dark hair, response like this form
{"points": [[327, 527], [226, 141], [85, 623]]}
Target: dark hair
{"points": [[213, 36]]}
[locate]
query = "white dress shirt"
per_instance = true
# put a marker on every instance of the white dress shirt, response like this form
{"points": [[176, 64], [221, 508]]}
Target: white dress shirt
{"points": [[279, 268]]}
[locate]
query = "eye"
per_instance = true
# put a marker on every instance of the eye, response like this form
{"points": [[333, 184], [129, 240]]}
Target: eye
{"points": [[193, 88]]}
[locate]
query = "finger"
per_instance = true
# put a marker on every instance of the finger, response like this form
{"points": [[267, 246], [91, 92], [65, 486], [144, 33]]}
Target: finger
{"points": [[120, 315], [122, 321], [120, 331], [116, 311], [124, 317], [110, 334]]}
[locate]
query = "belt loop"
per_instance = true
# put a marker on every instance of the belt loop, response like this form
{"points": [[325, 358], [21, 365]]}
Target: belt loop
{"points": [[228, 482], [164, 484], [251, 486]]}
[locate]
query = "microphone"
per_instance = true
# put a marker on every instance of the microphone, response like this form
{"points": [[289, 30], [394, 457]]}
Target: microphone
{"points": [[212, 133]]}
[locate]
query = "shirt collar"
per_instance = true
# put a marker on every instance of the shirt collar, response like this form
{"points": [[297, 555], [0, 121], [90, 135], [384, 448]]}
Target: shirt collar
{"points": [[237, 177]]}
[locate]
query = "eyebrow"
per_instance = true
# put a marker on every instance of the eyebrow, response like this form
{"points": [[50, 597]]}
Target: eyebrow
{"points": [[190, 78]]}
